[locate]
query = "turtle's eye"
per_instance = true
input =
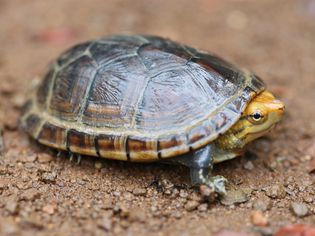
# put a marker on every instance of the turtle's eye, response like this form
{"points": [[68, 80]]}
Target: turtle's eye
{"points": [[256, 117]]}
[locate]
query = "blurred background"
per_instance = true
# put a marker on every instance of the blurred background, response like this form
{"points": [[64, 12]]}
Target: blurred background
{"points": [[275, 39]]}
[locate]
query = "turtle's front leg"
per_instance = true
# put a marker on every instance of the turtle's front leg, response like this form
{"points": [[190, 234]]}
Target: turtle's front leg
{"points": [[201, 167], [200, 163], [202, 176]]}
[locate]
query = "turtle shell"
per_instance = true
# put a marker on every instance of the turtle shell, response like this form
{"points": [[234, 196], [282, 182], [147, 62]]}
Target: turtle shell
{"points": [[137, 98]]}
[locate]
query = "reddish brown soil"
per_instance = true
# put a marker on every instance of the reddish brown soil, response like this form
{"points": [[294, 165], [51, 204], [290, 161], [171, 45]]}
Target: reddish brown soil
{"points": [[45, 195]]}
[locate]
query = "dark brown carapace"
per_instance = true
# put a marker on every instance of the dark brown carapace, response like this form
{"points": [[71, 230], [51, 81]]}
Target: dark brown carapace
{"points": [[137, 98]]}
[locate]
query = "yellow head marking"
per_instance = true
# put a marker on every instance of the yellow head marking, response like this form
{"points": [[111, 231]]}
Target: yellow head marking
{"points": [[261, 114]]}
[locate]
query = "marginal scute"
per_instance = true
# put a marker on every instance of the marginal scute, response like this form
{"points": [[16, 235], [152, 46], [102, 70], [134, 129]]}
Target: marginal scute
{"points": [[140, 147], [172, 145], [80, 142], [198, 133], [53, 135], [112, 146], [256, 82], [249, 93]]}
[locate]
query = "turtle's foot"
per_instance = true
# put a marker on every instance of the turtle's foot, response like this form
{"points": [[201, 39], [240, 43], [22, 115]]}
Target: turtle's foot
{"points": [[72, 156], [217, 183]]}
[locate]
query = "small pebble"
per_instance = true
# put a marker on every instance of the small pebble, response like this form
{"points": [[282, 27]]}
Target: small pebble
{"points": [[249, 165], [128, 196], [183, 193], [33, 221], [137, 215], [105, 223], [49, 209], [275, 191], [177, 214], [262, 204], [18, 101], [123, 210], [2, 147], [308, 199], [236, 196], [207, 193], [168, 192], [49, 177], [27, 157], [9, 227], [280, 159], [11, 206], [30, 195], [195, 196], [299, 209], [3, 184], [289, 180], [191, 205], [258, 218], [44, 158], [139, 191], [98, 165], [203, 207], [166, 184]]}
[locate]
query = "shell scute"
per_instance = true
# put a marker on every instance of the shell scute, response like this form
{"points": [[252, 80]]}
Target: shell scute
{"points": [[80, 142], [69, 94], [72, 54], [53, 135]]}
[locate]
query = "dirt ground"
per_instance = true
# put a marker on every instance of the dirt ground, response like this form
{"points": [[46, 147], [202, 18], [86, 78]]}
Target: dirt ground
{"points": [[42, 194]]}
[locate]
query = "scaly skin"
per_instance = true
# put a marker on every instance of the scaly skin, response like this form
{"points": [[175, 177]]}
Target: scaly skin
{"points": [[249, 126]]}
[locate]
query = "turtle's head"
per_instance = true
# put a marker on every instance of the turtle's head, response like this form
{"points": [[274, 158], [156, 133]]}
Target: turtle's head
{"points": [[261, 114]]}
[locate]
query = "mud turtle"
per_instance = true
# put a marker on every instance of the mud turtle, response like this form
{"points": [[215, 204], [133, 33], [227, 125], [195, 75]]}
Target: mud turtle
{"points": [[145, 98]]}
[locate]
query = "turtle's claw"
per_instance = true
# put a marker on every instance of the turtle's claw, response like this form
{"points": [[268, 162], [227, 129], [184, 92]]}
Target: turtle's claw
{"points": [[218, 184]]}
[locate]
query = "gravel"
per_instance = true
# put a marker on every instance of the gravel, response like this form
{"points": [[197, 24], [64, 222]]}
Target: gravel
{"points": [[2, 146], [238, 195], [262, 204], [139, 191], [299, 209], [191, 205], [275, 191], [30, 194], [49, 177], [258, 218], [137, 214]]}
